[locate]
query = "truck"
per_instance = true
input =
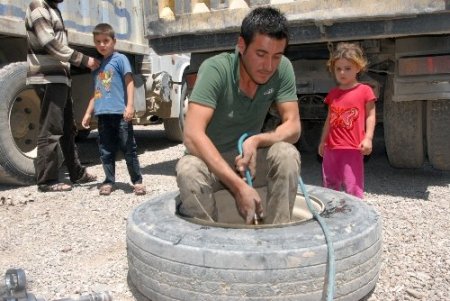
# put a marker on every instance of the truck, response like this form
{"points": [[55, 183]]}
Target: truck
{"points": [[159, 81], [406, 42]]}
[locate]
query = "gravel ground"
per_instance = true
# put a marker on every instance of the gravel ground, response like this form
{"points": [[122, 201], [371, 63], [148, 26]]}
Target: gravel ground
{"points": [[73, 243]]}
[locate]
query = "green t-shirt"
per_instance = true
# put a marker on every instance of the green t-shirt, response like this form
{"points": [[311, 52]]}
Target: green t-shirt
{"points": [[217, 86]]}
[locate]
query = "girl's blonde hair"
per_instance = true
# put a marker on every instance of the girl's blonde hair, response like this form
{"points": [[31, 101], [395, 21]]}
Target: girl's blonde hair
{"points": [[349, 51]]}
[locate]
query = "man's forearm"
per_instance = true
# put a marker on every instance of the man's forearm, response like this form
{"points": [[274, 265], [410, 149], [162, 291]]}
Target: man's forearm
{"points": [[203, 148], [287, 132], [289, 129]]}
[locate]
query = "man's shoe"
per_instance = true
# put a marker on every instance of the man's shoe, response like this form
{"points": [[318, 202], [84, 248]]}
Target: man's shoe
{"points": [[86, 178], [57, 187]]}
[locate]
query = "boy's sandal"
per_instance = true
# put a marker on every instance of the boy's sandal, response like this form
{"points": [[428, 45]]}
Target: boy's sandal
{"points": [[139, 189], [57, 187], [86, 178], [105, 189]]}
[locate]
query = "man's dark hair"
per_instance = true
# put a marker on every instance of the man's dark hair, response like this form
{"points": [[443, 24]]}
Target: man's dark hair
{"points": [[267, 21], [54, 3], [104, 28]]}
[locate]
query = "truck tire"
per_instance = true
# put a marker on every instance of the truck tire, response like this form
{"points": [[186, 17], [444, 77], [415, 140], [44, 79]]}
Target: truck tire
{"points": [[173, 127], [19, 125], [310, 136], [438, 133], [170, 258], [403, 130]]}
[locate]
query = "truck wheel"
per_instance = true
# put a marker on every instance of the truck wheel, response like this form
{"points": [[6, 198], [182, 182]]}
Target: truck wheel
{"points": [[173, 127], [438, 133], [310, 136], [403, 130], [170, 258], [19, 125]]}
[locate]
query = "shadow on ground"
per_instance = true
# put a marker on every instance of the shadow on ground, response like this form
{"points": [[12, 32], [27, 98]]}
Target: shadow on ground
{"points": [[166, 168], [147, 139], [381, 178]]}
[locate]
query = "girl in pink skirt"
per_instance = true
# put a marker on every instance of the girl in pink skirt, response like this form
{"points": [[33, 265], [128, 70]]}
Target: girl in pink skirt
{"points": [[348, 130]]}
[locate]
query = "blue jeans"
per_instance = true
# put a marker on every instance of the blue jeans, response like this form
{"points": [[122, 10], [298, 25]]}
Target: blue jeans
{"points": [[114, 133]]}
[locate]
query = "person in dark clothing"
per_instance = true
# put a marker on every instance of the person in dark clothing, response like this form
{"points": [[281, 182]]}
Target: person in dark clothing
{"points": [[49, 59]]}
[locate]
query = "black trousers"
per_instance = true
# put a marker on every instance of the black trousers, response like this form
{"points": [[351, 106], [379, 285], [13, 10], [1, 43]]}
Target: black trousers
{"points": [[56, 128]]}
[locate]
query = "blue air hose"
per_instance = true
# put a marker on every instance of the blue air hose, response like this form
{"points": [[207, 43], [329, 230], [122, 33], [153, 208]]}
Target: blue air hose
{"points": [[326, 232], [320, 220], [248, 176]]}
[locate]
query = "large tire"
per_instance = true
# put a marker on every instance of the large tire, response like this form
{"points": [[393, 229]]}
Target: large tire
{"points": [[403, 130], [19, 125], [173, 127], [438, 133], [172, 259], [310, 138]]}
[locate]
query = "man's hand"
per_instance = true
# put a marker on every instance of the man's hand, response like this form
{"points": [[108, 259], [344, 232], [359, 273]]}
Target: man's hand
{"points": [[248, 203], [248, 158], [93, 63]]}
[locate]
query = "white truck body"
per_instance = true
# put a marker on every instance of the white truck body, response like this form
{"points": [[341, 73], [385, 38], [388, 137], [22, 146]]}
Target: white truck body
{"points": [[407, 44], [81, 16], [158, 79]]}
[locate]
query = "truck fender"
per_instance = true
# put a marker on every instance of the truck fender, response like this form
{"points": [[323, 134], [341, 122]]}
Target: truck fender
{"points": [[182, 64], [178, 94]]}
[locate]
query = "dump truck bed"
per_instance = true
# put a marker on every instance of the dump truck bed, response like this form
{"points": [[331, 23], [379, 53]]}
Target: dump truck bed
{"points": [[80, 17], [205, 26]]}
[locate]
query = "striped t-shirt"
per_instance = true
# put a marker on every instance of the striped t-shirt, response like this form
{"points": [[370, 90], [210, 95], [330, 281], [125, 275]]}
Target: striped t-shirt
{"points": [[49, 56]]}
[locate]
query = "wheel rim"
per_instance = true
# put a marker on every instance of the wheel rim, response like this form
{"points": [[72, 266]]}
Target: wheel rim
{"points": [[24, 122], [300, 215]]}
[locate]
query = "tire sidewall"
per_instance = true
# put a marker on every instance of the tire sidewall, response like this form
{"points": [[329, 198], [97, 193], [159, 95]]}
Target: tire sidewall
{"points": [[156, 234], [166, 228]]}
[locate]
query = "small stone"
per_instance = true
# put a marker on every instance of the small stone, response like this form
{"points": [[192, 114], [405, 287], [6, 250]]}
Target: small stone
{"points": [[414, 293], [66, 249]]}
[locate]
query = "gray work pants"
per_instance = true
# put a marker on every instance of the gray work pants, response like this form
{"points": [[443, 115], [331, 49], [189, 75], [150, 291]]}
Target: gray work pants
{"points": [[277, 168]]}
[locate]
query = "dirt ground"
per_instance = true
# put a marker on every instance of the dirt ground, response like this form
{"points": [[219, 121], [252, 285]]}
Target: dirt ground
{"points": [[75, 243]]}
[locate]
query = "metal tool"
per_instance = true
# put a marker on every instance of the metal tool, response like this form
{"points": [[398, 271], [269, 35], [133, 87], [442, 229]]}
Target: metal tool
{"points": [[14, 289]]}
